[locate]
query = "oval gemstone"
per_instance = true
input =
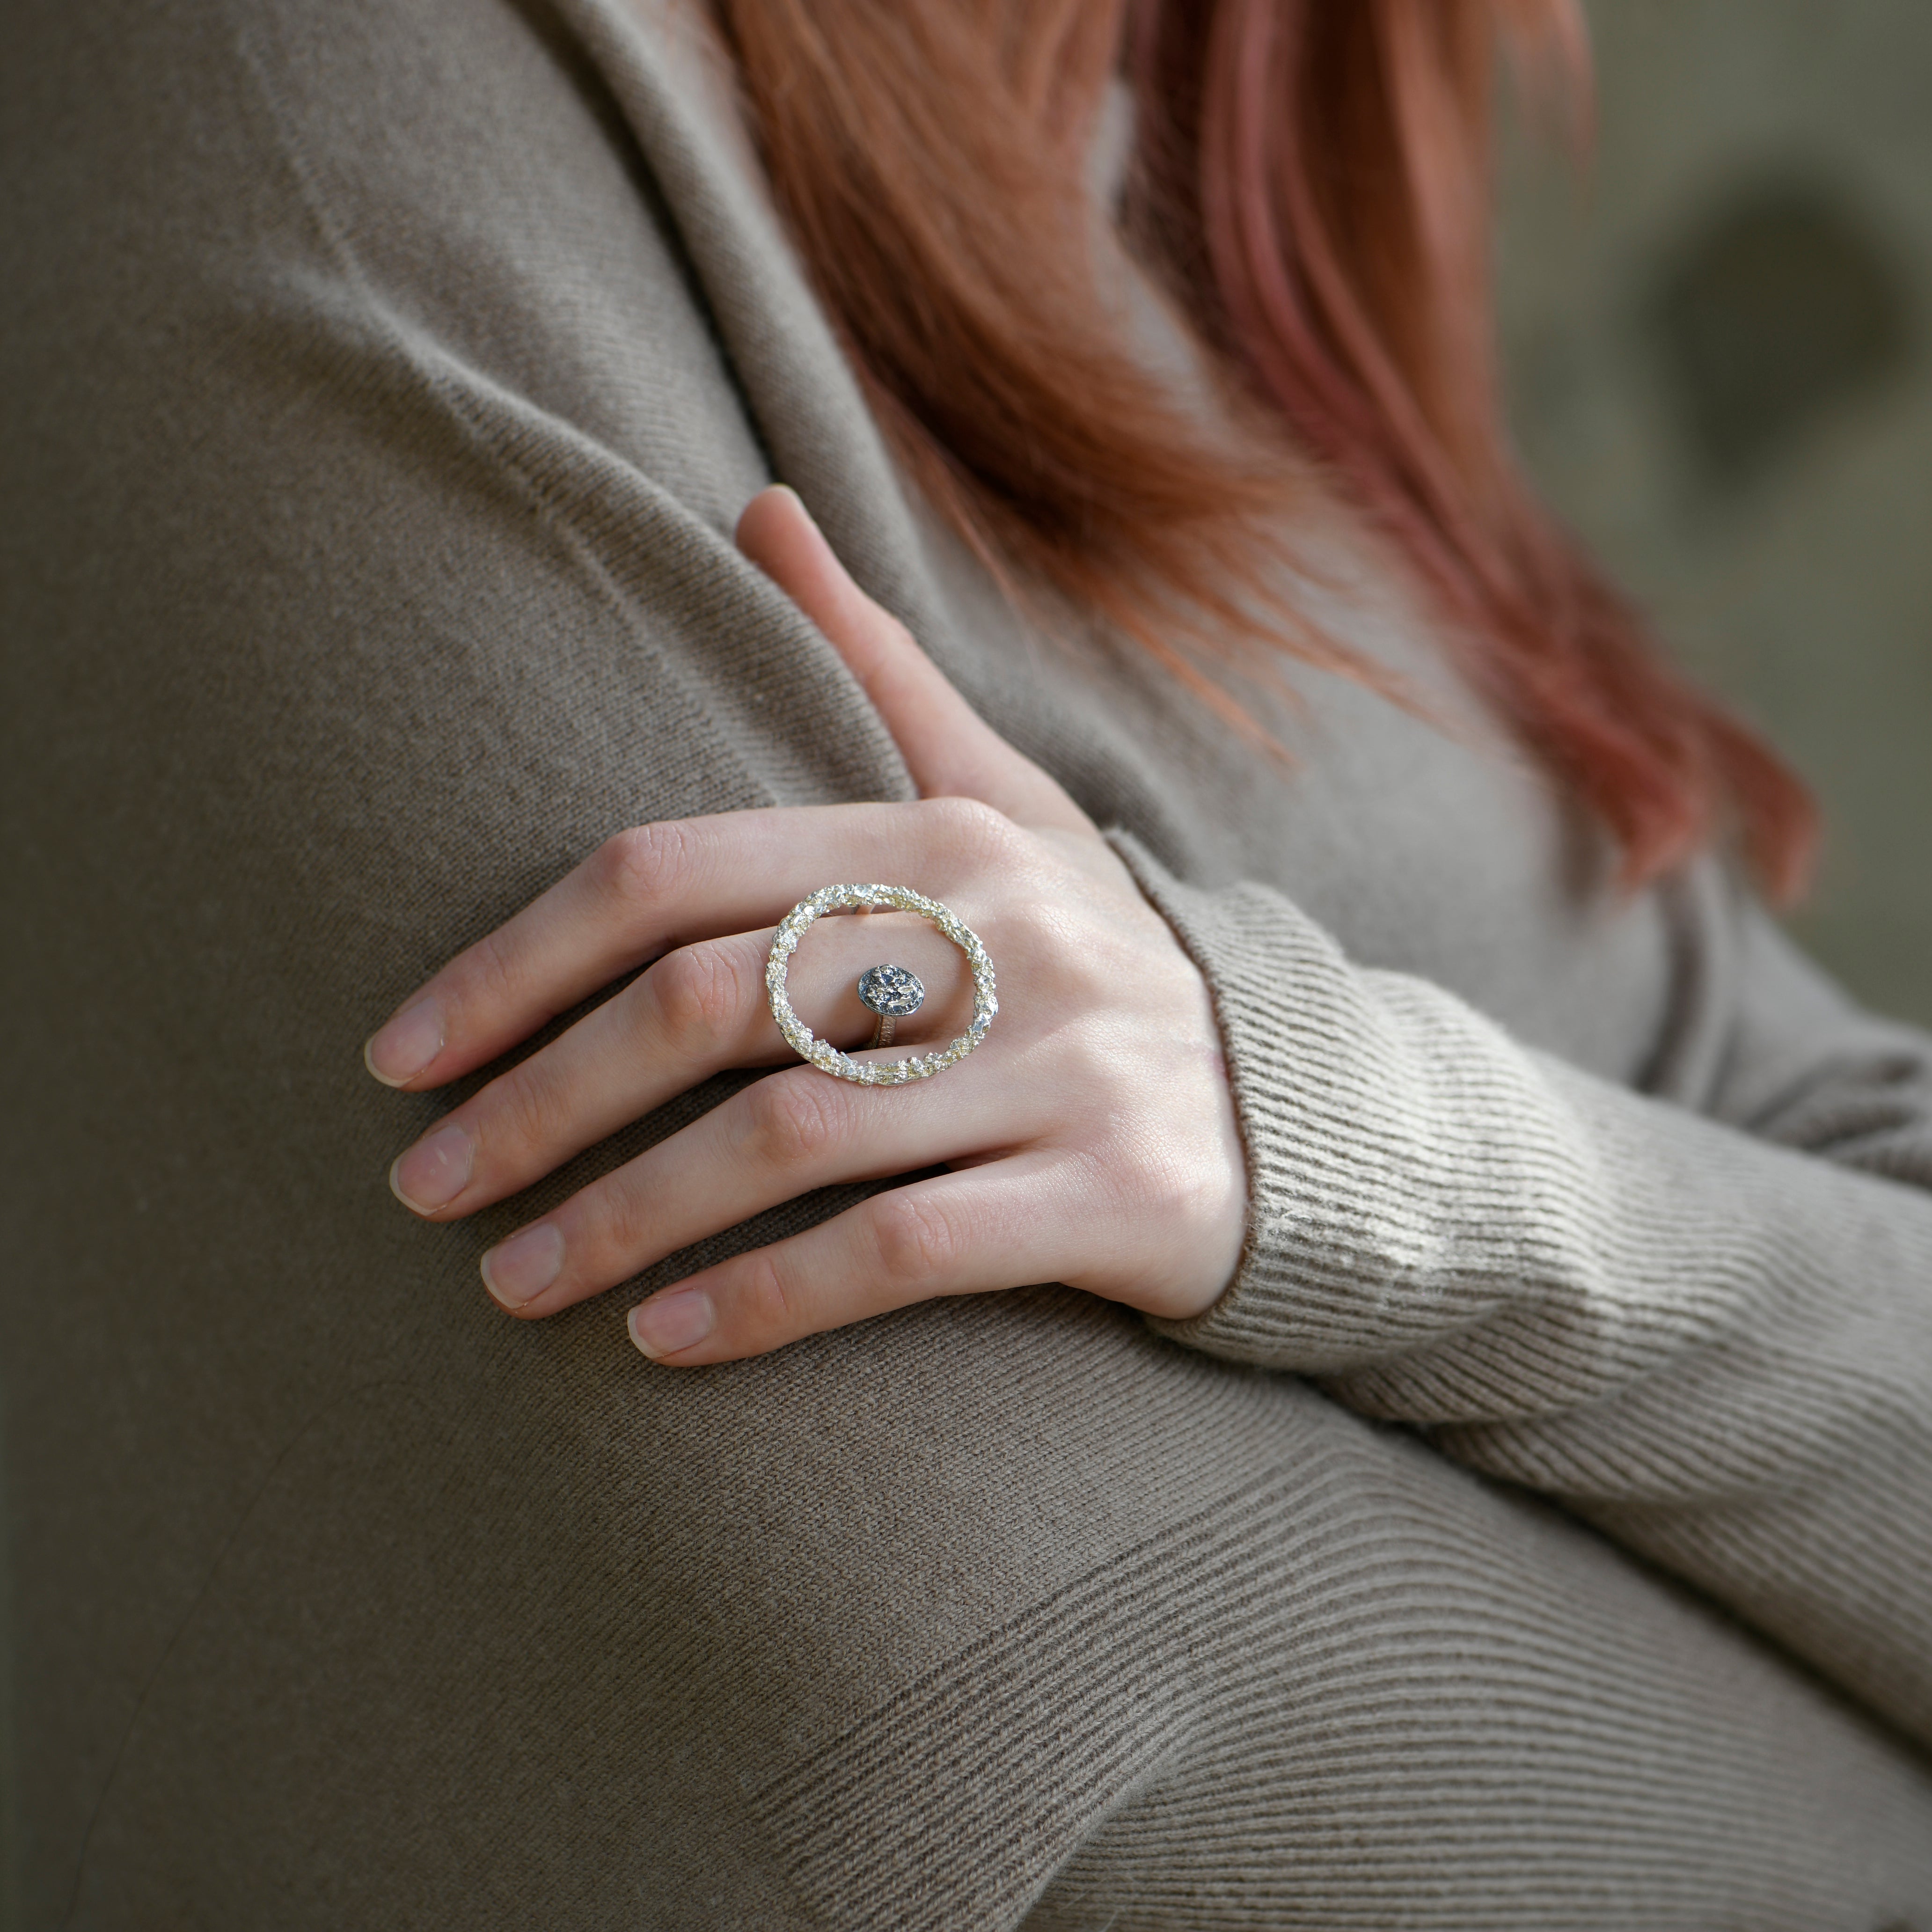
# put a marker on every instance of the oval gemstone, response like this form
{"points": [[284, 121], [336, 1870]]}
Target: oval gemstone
{"points": [[891, 991]]}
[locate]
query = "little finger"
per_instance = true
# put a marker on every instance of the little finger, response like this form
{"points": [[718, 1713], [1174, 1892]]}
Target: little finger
{"points": [[1001, 1225]]}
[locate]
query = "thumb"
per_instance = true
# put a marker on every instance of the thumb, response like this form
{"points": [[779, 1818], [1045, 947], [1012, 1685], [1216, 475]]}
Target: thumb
{"points": [[951, 751]]}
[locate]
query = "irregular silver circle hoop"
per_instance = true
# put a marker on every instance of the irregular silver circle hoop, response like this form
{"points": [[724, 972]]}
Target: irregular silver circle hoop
{"points": [[822, 1053]]}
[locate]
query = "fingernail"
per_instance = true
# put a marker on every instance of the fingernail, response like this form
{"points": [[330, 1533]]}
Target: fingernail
{"points": [[525, 1265], [406, 1044], [667, 1323], [433, 1172]]}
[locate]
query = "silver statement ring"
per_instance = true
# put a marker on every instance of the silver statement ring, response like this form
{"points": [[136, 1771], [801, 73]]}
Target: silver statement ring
{"points": [[822, 1053]]}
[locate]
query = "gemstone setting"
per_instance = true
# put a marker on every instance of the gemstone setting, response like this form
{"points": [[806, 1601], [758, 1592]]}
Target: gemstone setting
{"points": [[891, 991], [822, 1053]]}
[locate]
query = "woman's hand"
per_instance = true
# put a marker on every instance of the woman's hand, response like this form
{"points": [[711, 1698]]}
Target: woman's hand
{"points": [[1091, 1138]]}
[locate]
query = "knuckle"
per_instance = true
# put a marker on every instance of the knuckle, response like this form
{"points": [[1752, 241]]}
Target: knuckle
{"points": [[968, 830], [696, 995], [795, 1119], [1056, 939], [645, 864], [1171, 1190], [767, 1297], [530, 1109], [916, 1239], [486, 976], [1160, 1186], [620, 1216], [1086, 1064]]}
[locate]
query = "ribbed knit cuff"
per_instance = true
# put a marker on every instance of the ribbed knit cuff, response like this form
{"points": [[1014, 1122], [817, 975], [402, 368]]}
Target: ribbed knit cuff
{"points": [[1386, 1209]]}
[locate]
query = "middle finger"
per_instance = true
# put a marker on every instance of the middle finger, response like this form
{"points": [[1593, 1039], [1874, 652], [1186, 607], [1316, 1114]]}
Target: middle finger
{"points": [[695, 1013]]}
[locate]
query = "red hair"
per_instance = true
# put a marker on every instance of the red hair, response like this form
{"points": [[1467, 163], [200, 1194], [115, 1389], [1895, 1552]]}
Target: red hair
{"points": [[1311, 184]]}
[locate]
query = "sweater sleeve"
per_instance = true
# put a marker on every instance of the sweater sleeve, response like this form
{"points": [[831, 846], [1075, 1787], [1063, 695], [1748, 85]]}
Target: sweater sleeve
{"points": [[1707, 1329]]}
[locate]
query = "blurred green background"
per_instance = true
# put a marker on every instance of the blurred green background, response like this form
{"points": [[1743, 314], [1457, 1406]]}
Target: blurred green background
{"points": [[1715, 338]]}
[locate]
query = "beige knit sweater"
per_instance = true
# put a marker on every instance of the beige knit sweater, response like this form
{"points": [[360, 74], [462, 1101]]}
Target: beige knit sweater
{"points": [[1537, 1534]]}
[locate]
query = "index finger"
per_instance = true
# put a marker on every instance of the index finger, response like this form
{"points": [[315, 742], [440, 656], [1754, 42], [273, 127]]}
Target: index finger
{"points": [[948, 747]]}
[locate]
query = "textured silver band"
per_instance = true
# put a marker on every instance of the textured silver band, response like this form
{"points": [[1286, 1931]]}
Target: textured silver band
{"points": [[822, 1053]]}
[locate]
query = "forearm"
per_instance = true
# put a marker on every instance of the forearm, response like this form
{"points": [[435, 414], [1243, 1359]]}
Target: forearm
{"points": [[1720, 1350]]}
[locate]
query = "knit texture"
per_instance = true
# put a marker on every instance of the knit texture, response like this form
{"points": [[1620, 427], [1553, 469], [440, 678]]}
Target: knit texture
{"points": [[1588, 1291], [382, 381]]}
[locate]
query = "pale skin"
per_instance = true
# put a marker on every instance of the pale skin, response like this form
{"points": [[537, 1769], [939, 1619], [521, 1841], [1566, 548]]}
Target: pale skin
{"points": [[1090, 1139]]}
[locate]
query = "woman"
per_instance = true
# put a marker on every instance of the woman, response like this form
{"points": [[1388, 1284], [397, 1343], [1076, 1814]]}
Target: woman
{"points": [[389, 382]]}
